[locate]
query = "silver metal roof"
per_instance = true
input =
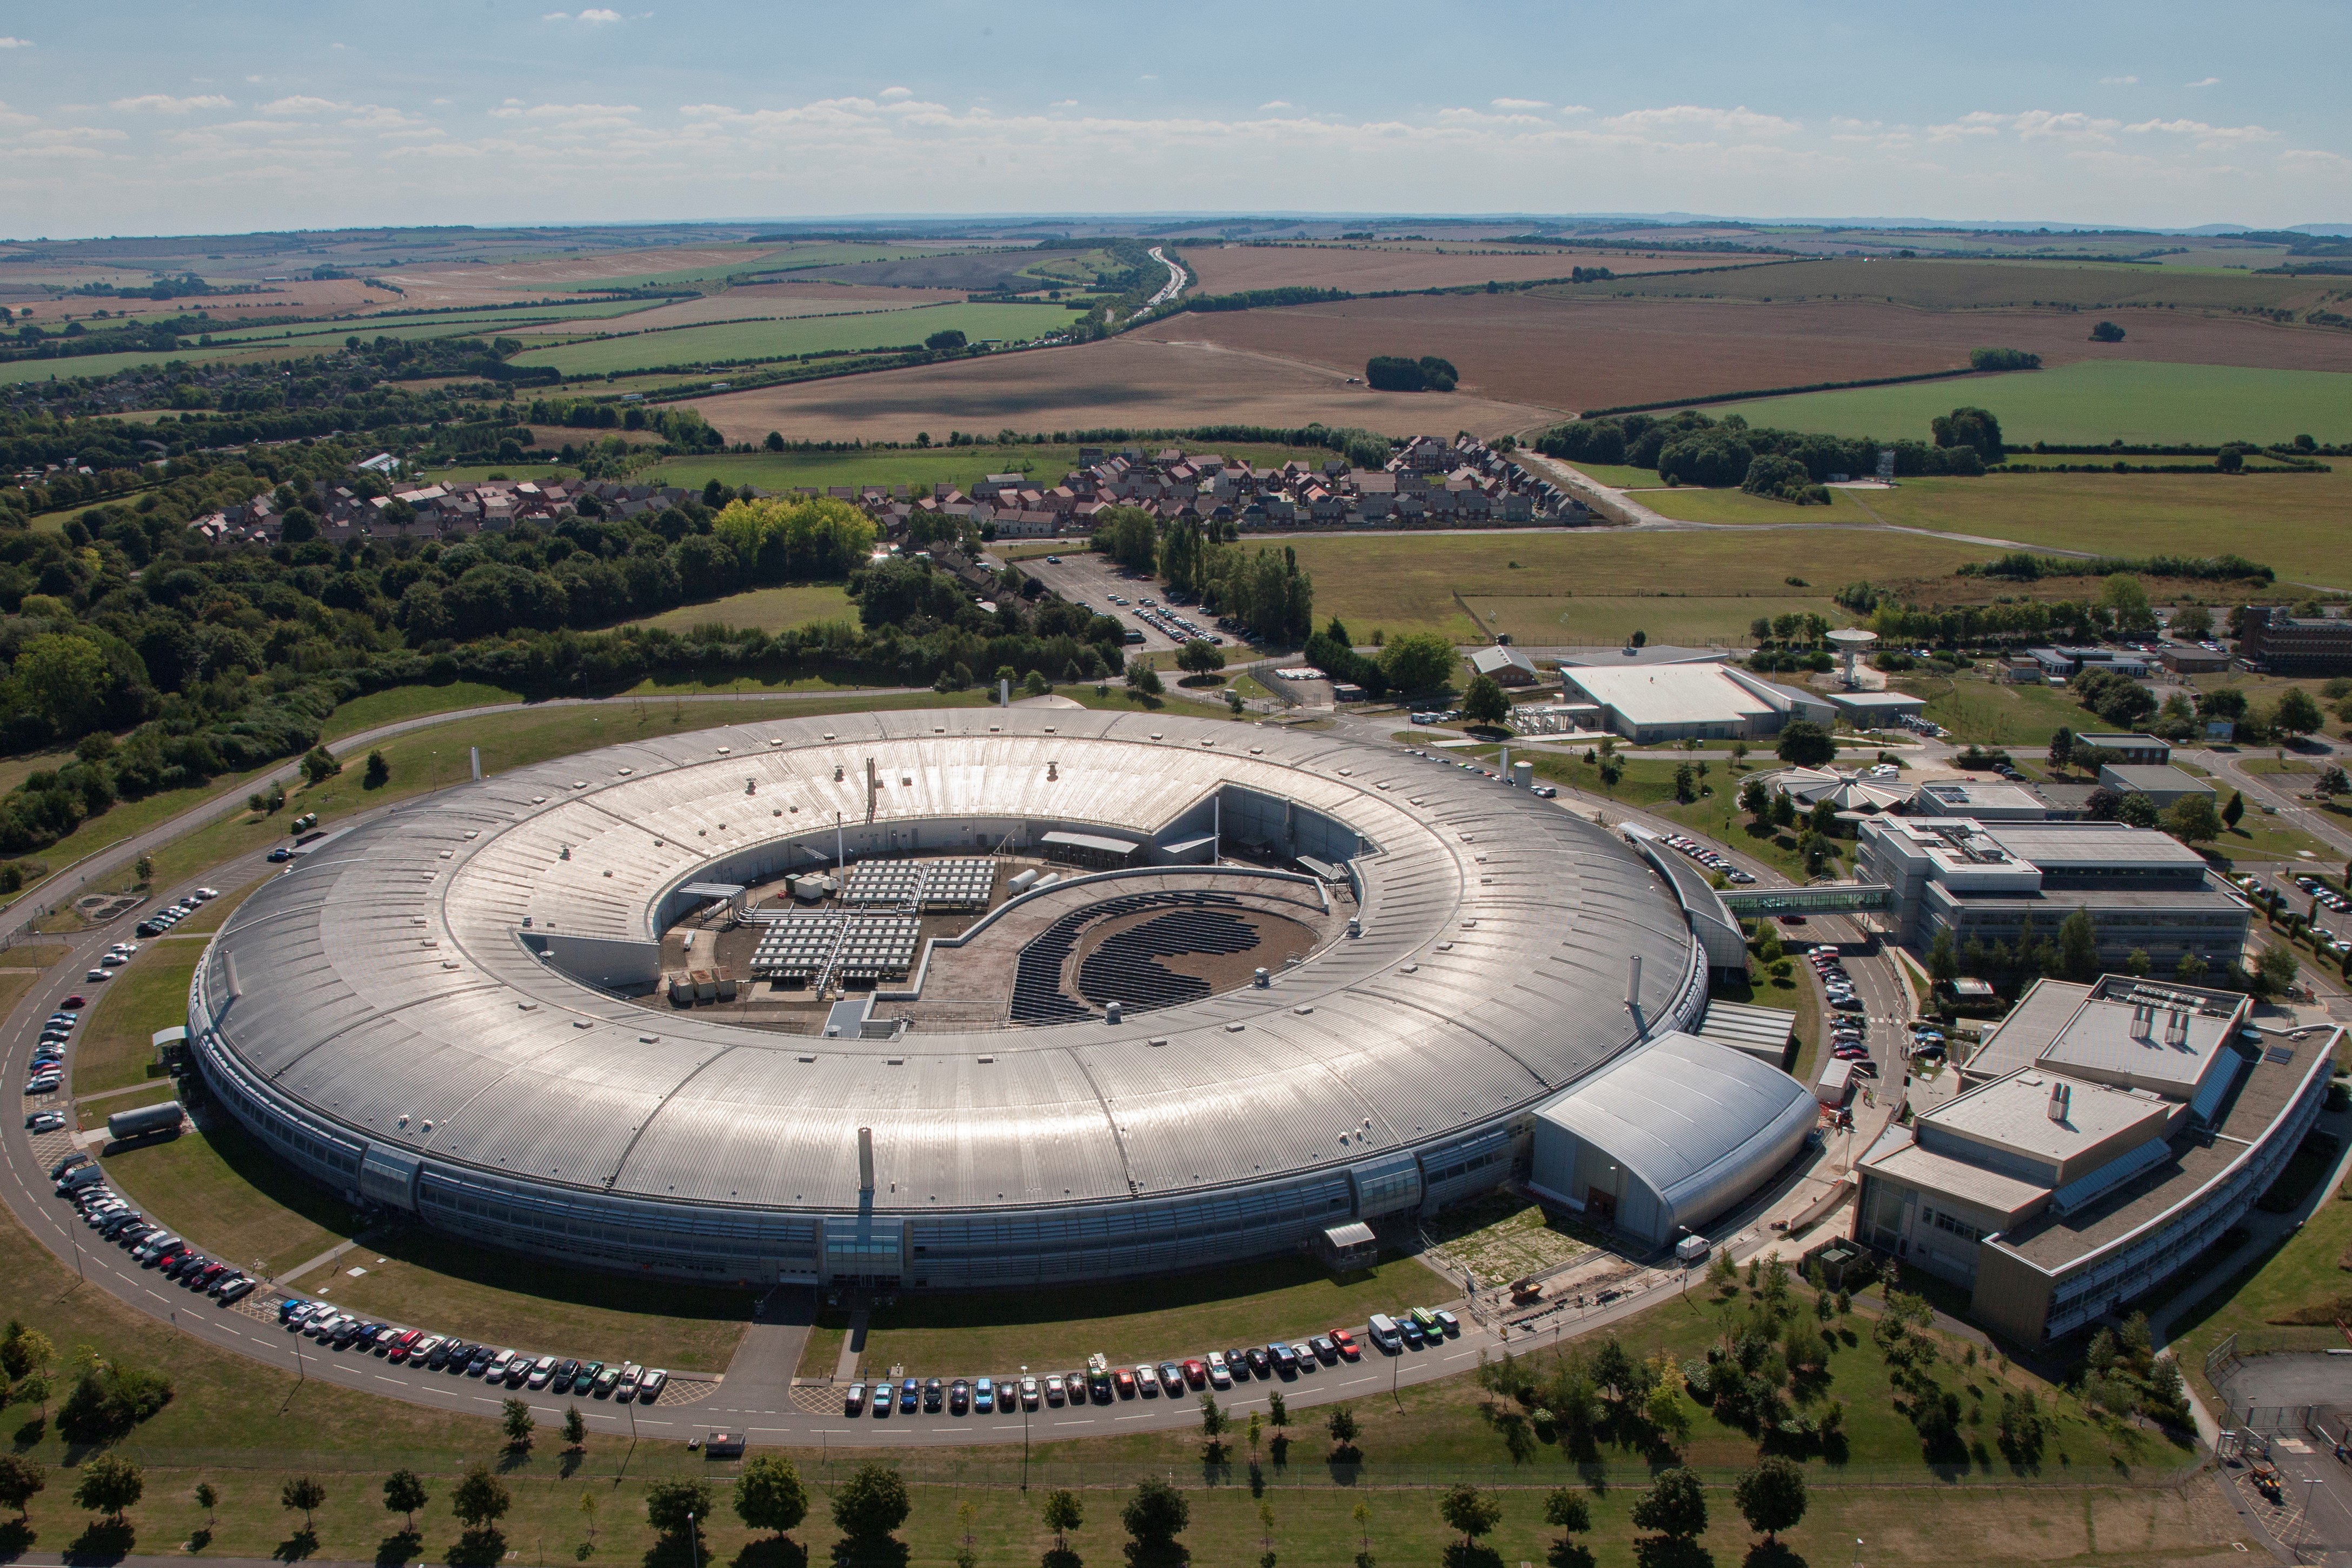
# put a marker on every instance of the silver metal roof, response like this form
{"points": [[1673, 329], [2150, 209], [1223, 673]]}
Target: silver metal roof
{"points": [[381, 984]]}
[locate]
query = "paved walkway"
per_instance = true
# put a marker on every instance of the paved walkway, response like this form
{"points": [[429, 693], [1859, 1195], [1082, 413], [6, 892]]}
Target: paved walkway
{"points": [[853, 1345], [759, 1378]]}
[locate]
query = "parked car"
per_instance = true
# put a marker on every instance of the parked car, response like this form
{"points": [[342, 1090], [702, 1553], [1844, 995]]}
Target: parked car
{"points": [[958, 1397], [854, 1402], [650, 1385], [983, 1395], [933, 1393]]}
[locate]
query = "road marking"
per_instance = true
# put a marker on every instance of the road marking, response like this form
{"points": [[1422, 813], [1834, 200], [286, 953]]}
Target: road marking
{"points": [[1088, 1421], [1138, 1416]]}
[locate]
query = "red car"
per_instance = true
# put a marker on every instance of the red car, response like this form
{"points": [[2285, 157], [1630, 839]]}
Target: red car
{"points": [[1125, 1382], [1196, 1374], [1347, 1343], [75, 1001]]}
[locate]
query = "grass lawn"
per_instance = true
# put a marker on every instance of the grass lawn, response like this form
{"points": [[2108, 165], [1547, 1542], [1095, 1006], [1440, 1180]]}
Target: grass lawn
{"points": [[1995, 713], [733, 342], [769, 609], [417, 1277], [14, 983], [32, 954], [399, 703], [1691, 503], [2292, 524], [2091, 402], [148, 993], [1599, 622], [211, 917], [1402, 582], [229, 1197], [1132, 1321]]}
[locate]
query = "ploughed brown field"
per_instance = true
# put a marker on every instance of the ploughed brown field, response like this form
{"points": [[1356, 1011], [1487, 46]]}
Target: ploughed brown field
{"points": [[1130, 382], [763, 301], [1602, 354], [1363, 269]]}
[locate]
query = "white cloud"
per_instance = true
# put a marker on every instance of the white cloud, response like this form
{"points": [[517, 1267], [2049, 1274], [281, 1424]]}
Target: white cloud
{"points": [[2204, 135], [2117, 80], [1517, 103], [1274, 103], [1692, 117], [566, 111], [1064, 103], [299, 104], [1147, 78], [593, 16], [887, 93], [15, 43], [159, 103], [2204, 81]]}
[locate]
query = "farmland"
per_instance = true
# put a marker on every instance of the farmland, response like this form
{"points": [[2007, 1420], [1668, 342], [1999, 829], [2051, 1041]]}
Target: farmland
{"points": [[922, 466], [1975, 285], [1132, 382], [1600, 352], [2131, 400], [1361, 268], [755, 300], [742, 341]]}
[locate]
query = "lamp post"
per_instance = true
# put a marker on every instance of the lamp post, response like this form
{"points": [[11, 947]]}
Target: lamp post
{"points": [[693, 1546], [1023, 1395]]}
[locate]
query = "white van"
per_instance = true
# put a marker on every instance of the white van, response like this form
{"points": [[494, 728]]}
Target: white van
{"points": [[1384, 1332]]}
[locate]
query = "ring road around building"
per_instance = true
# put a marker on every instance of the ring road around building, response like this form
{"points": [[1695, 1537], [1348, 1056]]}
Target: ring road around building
{"points": [[1235, 990]]}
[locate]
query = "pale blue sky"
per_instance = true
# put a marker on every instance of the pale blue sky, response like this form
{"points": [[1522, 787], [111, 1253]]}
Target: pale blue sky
{"points": [[176, 116]]}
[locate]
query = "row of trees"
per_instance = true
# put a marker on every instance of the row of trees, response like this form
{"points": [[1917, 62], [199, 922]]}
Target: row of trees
{"points": [[1264, 589], [1689, 448]]}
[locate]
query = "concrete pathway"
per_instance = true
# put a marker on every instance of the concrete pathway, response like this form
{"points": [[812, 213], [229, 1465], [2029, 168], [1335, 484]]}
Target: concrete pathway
{"points": [[853, 1345]]}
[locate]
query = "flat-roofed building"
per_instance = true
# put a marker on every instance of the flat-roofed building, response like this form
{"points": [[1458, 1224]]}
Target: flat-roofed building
{"points": [[2163, 786], [1986, 883], [1984, 802], [1649, 703], [2127, 1125], [2271, 640], [2132, 749], [1873, 710]]}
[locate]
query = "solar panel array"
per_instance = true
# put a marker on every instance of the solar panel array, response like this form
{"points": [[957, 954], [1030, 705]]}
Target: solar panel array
{"points": [[876, 946], [963, 883], [797, 945]]}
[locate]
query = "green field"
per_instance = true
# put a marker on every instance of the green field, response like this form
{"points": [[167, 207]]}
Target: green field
{"points": [[769, 609], [1995, 713], [1602, 622], [230, 1197], [148, 993], [1407, 583], [1692, 503], [2092, 402], [488, 323], [776, 338]]}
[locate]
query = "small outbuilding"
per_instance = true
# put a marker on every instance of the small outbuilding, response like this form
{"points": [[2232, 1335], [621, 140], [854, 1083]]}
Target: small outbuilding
{"points": [[1503, 665], [1668, 1136]]}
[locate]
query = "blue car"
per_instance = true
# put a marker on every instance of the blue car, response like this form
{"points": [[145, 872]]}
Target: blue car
{"points": [[983, 1398], [911, 1397]]}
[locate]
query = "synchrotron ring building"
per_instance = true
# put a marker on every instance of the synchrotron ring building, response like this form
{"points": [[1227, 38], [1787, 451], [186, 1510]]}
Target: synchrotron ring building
{"points": [[426, 1012]]}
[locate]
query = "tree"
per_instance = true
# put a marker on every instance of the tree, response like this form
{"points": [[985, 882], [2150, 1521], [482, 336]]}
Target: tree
{"points": [[2136, 810], [575, 1427], [305, 1493], [1755, 799], [768, 1494], [1972, 427], [2296, 713], [24, 1352], [2233, 809], [1064, 1513], [2193, 820], [871, 1503], [318, 765], [2121, 595], [515, 1418], [1566, 1510], [2078, 947], [21, 1480], [1155, 1516], [404, 1493], [2062, 746], [1675, 1507], [2276, 969], [1943, 962], [1143, 679], [481, 1500], [1805, 744], [1666, 1411], [1470, 1510], [208, 1500], [144, 870], [1341, 1424], [947, 341], [1771, 1497], [1213, 1425], [1201, 656], [2192, 621], [2106, 332], [1483, 702], [1418, 661], [677, 1509], [109, 1484], [379, 771]]}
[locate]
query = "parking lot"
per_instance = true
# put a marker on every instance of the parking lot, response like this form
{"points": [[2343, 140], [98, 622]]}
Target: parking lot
{"points": [[1090, 579], [2329, 910]]}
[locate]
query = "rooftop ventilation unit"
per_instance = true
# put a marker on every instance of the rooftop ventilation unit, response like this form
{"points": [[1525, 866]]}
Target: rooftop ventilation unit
{"points": [[2061, 1096]]}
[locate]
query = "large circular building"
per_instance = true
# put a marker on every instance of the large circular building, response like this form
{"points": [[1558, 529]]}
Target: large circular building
{"points": [[940, 999]]}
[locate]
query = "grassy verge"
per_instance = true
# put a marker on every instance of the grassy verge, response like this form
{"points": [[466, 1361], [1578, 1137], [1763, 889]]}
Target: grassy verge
{"points": [[769, 609], [362, 713], [93, 1112], [14, 983], [1996, 713], [1134, 1320], [32, 954], [148, 993], [211, 917], [230, 1197]]}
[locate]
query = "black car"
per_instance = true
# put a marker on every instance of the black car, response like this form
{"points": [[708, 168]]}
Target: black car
{"points": [[958, 1397], [479, 1362], [1237, 1362], [564, 1372], [1260, 1363], [344, 1336], [932, 1393], [1286, 1360], [440, 1356], [118, 1224]]}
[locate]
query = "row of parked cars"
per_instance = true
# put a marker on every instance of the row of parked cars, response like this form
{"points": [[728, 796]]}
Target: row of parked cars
{"points": [[1103, 1383], [1829, 963], [164, 918], [1713, 859], [558, 1376], [80, 1181], [45, 1071], [1544, 791]]}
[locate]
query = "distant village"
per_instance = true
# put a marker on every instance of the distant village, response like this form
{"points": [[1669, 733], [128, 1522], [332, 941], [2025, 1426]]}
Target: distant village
{"points": [[1429, 483]]}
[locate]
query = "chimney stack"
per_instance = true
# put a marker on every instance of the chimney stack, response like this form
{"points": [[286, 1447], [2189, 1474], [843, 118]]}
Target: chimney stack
{"points": [[1633, 984], [865, 1161], [2059, 1097]]}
